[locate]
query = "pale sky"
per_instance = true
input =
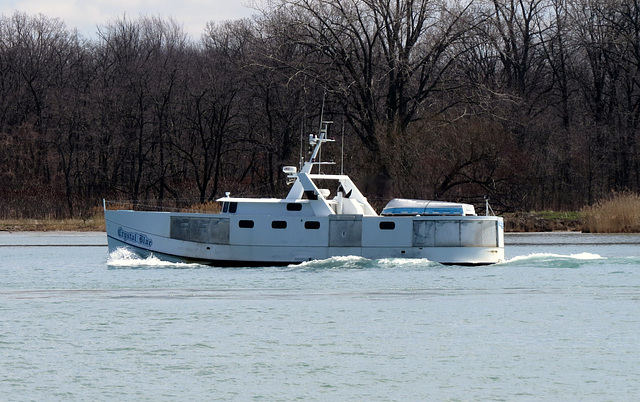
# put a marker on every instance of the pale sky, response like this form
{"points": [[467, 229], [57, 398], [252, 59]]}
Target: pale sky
{"points": [[87, 14]]}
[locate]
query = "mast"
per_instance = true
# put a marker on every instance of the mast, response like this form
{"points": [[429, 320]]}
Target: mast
{"points": [[316, 142], [304, 183]]}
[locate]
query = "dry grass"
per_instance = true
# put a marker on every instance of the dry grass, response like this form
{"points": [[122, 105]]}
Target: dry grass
{"points": [[618, 214], [93, 223], [47, 225], [542, 221], [211, 207], [123, 205]]}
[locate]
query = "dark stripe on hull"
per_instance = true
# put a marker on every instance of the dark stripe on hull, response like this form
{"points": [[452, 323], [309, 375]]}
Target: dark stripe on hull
{"points": [[143, 252]]}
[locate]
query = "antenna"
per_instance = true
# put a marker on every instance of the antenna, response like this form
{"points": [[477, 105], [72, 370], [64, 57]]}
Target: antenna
{"points": [[324, 95], [342, 151], [316, 141], [301, 156]]}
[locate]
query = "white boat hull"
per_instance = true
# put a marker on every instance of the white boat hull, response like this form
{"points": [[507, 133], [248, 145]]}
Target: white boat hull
{"points": [[224, 240]]}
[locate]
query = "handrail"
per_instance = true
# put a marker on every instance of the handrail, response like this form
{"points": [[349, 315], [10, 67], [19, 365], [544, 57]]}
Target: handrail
{"points": [[137, 205]]}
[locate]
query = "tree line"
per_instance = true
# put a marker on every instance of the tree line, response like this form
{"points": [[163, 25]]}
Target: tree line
{"points": [[533, 103]]}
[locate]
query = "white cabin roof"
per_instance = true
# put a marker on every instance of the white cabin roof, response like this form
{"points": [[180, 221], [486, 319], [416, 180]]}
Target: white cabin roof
{"points": [[400, 206]]}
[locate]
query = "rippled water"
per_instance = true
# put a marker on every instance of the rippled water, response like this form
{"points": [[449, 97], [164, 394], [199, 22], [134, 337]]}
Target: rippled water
{"points": [[558, 321]]}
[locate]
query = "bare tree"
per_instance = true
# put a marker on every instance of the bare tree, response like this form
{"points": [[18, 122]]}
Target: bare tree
{"points": [[386, 60], [140, 62], [42, 63], [207, 113]]}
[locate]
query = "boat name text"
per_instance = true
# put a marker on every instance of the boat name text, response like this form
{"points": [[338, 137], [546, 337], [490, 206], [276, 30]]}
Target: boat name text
{"points": [[135, 237]]}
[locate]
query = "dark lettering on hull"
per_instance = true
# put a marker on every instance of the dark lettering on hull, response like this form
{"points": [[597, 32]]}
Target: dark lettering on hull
{"points": [[134, 237]]}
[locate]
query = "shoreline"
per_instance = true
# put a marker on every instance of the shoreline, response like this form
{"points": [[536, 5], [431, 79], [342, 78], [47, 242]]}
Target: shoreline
{"points": [[518, 222], [52, 225], [523, 222]]}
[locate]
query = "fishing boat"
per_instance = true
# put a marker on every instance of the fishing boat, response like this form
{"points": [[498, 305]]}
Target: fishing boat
{"points": [[311, 223]]}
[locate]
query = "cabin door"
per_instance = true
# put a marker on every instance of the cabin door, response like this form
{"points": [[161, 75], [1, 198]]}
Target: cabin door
{"points": [[345, 231]]}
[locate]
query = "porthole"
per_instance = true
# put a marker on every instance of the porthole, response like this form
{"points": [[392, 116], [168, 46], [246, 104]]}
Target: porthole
{"points": [[312, 225], [386, 225], [245, 224], [279, 224], [294, 207]]}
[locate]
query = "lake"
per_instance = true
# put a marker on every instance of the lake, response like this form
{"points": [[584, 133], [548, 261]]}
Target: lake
{"points": [[559, 320]]}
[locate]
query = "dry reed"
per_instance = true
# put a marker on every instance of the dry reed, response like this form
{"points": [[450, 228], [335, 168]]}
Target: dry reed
{"points": [[618, 214], [211, 207]]}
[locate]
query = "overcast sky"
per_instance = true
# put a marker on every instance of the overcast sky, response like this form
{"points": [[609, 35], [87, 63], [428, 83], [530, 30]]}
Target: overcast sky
{"points": [[87, 14]]}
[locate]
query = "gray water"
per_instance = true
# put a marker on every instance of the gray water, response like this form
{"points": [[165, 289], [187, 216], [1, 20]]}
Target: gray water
{"points": [[559, 320]]}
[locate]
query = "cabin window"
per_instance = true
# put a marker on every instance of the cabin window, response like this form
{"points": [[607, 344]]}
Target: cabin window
{"points": [[294, 207], [245, 224], [233, 207], [387, 225], [279, 224], [225, 207], [312, 225]]}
